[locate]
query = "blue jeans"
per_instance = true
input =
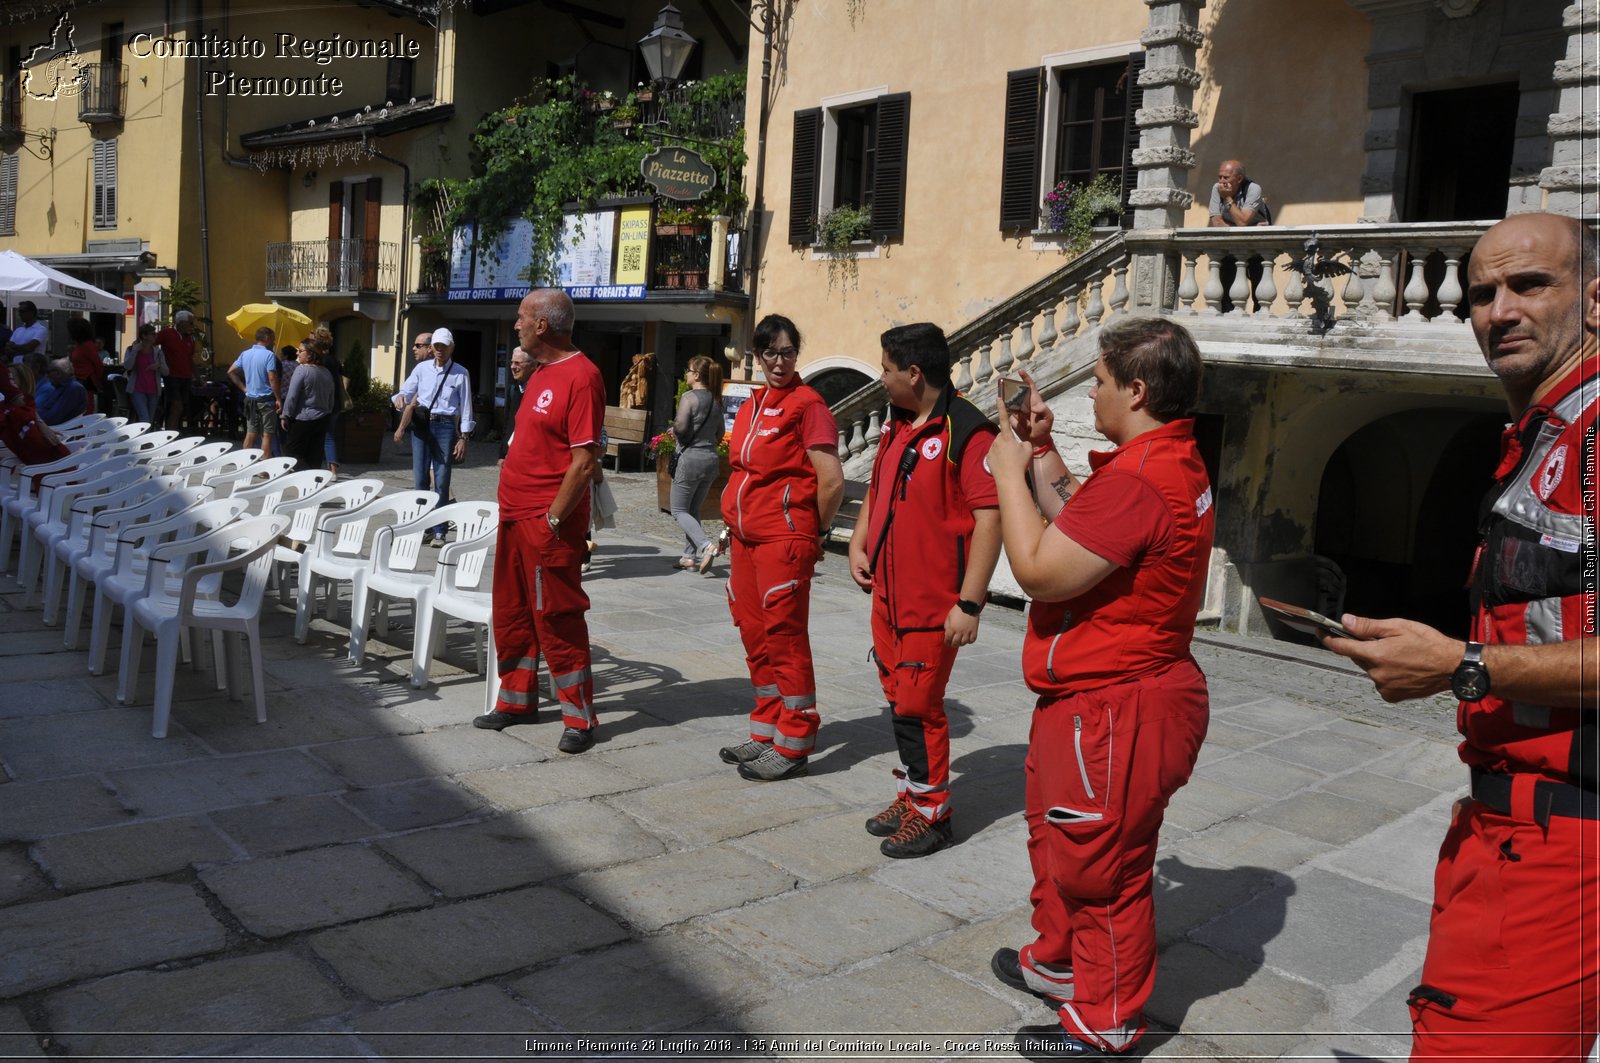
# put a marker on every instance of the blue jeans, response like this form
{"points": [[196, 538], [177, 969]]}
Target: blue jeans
{"points": [[430, 450], [144, 406], [330, 452]]}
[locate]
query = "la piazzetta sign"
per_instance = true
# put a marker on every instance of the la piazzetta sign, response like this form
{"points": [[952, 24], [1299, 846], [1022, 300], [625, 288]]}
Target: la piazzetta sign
{"points": [[678, 173]]}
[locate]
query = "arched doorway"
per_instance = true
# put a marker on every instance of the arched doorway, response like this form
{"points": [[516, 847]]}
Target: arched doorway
{"points": [[1397, 510], [836, 385]]}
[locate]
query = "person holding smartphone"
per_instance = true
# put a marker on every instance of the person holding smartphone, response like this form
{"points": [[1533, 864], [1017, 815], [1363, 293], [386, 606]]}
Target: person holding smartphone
{"points": [[924, 545], [1117, 571]]}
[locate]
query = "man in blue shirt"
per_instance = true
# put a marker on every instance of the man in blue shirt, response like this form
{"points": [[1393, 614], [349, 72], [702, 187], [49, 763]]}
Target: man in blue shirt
{"points": [[255, 372], [439, 395], [59, 397]]}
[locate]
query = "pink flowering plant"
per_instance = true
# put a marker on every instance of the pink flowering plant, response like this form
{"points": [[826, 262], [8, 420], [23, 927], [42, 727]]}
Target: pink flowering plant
{"points": [[1071, 209]]}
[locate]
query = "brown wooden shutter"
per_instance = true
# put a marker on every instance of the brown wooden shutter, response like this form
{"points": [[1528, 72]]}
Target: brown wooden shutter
{"points": [[805, 175], [369, 235], [889, 167], [1130, 133], [1019, 157], [8, 195], [335, 231]]}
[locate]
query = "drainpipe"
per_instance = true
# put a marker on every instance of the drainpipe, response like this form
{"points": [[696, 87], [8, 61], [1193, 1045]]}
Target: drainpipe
{"points": [[756, 204], [200, 144], [405, 260], [227, 155]]}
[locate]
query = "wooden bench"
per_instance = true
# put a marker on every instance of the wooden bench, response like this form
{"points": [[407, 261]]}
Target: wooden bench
{"points": [[625, 429]]}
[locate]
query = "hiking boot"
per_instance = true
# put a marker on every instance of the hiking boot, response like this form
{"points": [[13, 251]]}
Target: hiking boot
{"points": [[744, 752], [917, 837], [1053, 1042], [889, 820], [574, 740], [499, 721], [1007, 966], [771, 766]]}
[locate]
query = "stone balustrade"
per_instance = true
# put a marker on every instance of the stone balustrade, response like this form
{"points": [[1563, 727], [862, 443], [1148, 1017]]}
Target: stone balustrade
{"points": [[1405, 277]]}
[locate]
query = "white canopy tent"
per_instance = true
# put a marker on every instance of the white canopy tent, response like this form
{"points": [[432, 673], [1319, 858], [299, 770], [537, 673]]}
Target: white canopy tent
{"points": [[49, 289]]}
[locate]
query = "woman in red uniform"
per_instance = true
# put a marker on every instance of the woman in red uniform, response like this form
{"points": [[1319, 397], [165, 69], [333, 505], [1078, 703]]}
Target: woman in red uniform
{"points": [[785, 488]]}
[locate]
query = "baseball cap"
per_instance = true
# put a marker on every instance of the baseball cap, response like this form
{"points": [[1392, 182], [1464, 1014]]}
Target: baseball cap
{"points": [[443, 336]]}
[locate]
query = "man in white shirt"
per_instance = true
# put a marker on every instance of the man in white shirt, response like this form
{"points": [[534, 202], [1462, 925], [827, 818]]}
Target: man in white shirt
{"points": [[30, 337], [439, 393]]}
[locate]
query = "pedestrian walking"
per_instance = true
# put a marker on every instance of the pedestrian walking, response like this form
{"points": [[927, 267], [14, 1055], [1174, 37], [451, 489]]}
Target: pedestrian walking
{"points": [[436, 408], [785, 487], [145, 367], [308, 407], [696, 433]]}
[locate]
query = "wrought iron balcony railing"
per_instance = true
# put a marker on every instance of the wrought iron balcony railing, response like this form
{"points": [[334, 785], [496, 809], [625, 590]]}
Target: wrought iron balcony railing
{"points": [[104, 92], [301, 266]]}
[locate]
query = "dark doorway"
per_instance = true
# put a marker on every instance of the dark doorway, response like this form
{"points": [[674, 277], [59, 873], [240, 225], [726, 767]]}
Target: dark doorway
{"points": [[836, 385], [1461, 143]]}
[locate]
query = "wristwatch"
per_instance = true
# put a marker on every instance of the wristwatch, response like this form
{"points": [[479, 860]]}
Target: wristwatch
{"points": [[970, 608], [553, 520], [1470, 681]]}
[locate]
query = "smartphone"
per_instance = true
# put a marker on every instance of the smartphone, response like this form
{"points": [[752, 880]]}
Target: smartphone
{"points": [[1014, 393], [1304, 620]]}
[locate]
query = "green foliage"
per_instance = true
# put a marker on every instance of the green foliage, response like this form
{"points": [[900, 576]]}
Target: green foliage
{"points": [[1072, 209], [842, 226], [181, 294], [365, 393], [557, 148]]}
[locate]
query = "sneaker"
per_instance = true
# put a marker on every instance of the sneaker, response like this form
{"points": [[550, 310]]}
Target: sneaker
{"points": [[499, 721], [686, 563], [744, 752], [888, 821], [435, 539], [1007, 966], [771, 766], [575, 741], [917, 837], [707, 555]]}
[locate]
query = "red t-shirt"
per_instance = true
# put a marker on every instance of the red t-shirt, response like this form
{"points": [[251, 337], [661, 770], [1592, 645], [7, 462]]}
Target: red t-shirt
{"points": [[564, 407], [179, 352]]}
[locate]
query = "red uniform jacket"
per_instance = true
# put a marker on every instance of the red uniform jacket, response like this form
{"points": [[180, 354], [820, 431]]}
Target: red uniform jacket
{"points": [[772, 488], [919, 533]]}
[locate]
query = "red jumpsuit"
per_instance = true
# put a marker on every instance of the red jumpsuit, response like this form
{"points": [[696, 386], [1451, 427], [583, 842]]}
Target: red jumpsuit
{"points": [[1513, 963], [926, 481], [1122, 712], [770, 505], [539, 603]]}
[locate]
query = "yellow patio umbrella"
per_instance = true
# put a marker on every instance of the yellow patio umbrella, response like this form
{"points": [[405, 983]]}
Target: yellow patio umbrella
{"points": [[290, 325]]}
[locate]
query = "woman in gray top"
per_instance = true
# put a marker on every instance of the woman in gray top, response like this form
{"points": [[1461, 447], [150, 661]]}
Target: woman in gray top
{"points": [[697, 431], [308, 407]]}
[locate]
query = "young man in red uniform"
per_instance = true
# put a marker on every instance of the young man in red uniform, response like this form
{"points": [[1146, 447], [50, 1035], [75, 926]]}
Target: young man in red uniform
{"points": [[539, 603], [925, 545], [177, 345], [784, 489], [1513, 962], [1117, 576]]}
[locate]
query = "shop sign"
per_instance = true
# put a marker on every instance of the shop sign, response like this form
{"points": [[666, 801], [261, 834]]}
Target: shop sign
{"points": [[678, 173]]}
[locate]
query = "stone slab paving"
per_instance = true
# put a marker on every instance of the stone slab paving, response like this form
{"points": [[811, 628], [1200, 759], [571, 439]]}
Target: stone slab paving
{"points": [[367, 875]]}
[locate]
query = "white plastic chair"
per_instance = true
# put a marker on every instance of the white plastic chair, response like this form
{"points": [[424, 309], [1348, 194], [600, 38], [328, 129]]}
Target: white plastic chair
{"points": [[98, 559], [261, 471], [396, 570], [169, 609], [48, 522], [36, 487], [166, 458], [126, 584], [228, 463], [337, 553], [73, 543], [200, 456], [265, 496], [458, 593], [305, 514]]}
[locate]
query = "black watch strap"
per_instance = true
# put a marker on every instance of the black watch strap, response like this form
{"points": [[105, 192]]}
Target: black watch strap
{"points": [[970, 608]]}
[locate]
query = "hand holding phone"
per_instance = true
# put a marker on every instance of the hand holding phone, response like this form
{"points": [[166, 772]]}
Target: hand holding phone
{"points": [[1305, 620], [1014, 393]]}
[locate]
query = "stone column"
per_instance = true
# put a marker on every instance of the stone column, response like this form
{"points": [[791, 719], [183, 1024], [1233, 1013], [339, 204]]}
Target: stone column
{"points": [[1163, 158], [1573, 175]]}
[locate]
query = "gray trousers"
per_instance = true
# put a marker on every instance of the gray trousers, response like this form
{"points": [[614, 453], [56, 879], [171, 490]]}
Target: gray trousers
{"points": [[697, 471]]}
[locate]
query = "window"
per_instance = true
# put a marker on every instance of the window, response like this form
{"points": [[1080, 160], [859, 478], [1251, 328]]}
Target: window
{"points": [[105, 184], [8, 195], [397, 82], [850, 154], [1069, 120]]}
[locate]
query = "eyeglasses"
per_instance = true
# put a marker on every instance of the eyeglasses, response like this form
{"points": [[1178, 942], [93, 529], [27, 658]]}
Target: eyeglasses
{"points": [[773, 354]]}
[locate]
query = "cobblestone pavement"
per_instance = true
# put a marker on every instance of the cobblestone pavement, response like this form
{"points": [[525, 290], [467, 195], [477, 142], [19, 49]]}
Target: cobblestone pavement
{"points": [[368, 876]]}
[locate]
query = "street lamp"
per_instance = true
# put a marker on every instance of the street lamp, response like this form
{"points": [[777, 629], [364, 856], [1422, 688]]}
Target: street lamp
{"points": [[667, 46]]}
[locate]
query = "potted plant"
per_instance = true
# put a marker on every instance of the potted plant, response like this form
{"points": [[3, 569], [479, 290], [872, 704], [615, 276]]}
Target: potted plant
{"points": [[362, 429], [663, 446], [1074, 210], [679, 221], [839, 229]]}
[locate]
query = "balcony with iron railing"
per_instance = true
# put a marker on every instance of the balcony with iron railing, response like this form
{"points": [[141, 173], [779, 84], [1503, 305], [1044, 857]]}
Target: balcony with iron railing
{"points": [[307, 267], [103, 93]]}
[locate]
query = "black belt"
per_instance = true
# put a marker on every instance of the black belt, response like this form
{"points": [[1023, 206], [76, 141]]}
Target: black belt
{"points": [[1549, 798]]}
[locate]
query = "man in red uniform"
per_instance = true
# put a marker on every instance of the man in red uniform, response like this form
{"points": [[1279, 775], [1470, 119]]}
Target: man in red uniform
{"points": [[925, 545], [1116, 576], [177, 345], [1513, 962], [539, 603], [784, 489]]}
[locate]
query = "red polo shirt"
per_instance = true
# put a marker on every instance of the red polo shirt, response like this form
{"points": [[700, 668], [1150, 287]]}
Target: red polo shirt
{"points": [[563, 407], [179, 352]]}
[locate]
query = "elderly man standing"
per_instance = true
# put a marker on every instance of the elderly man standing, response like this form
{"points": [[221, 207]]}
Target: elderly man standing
{"points": [[539, 603], [440, 394], [1513, 962], [177, 345], [521, 367]]}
